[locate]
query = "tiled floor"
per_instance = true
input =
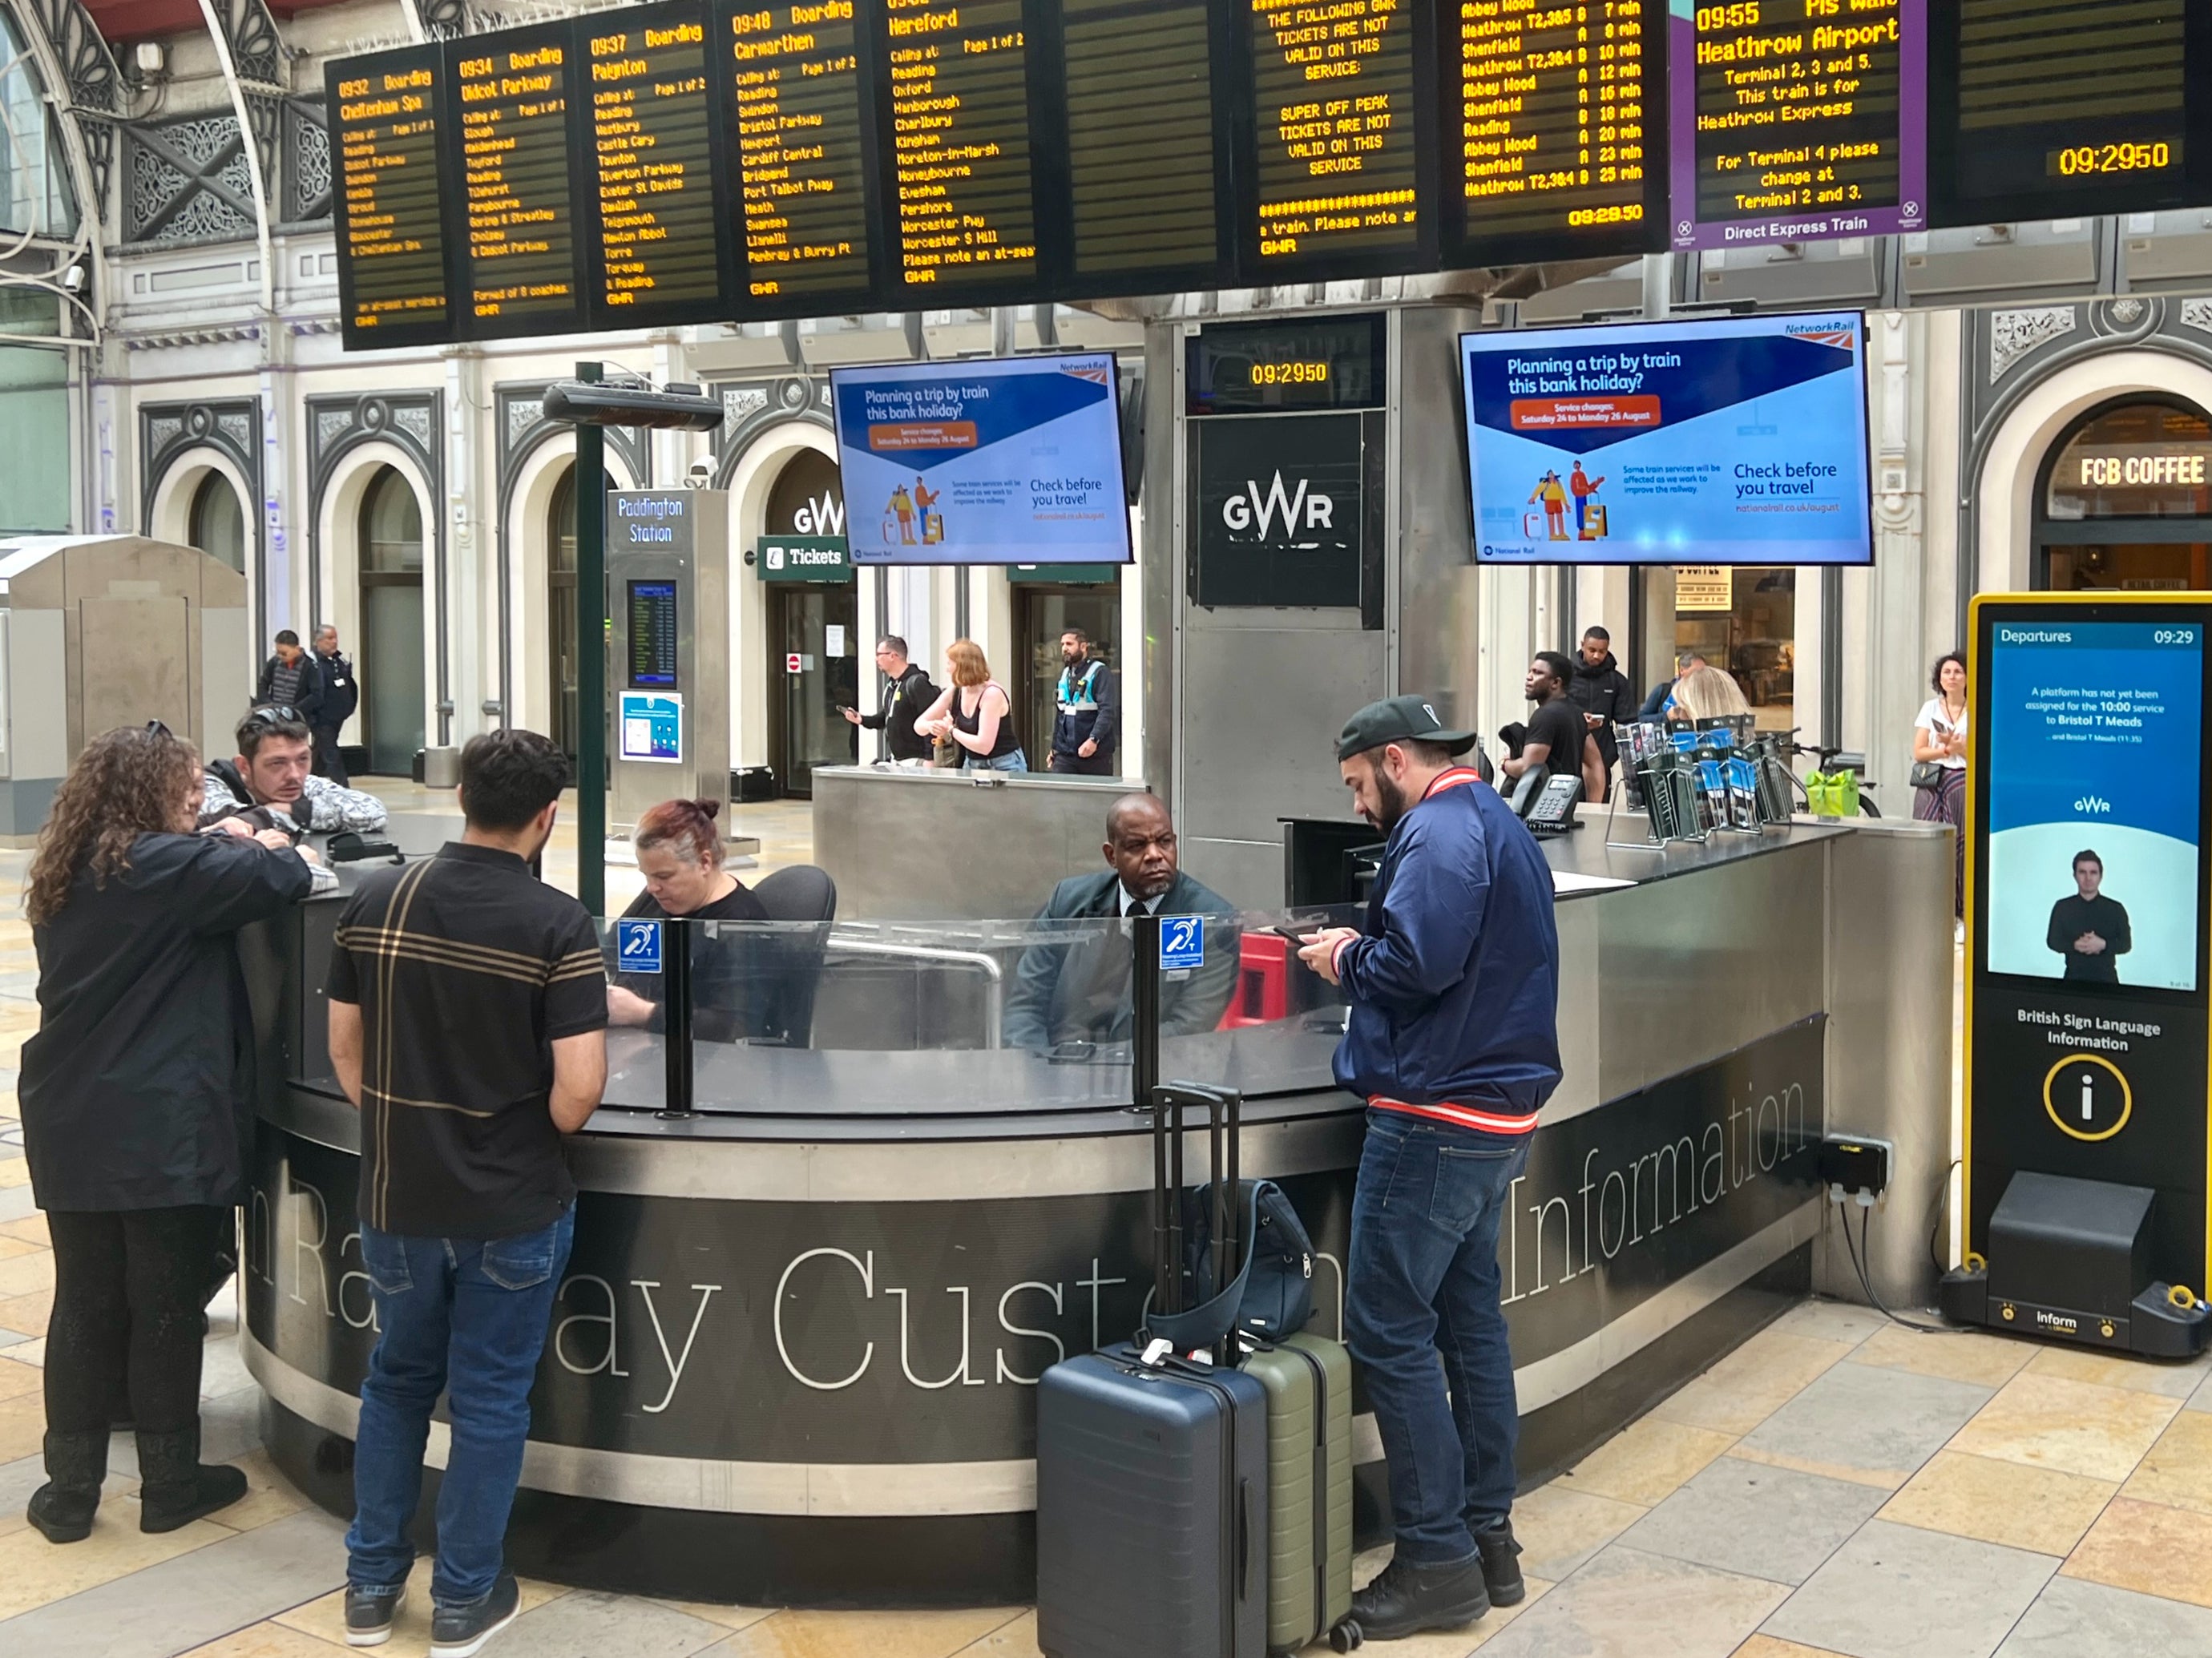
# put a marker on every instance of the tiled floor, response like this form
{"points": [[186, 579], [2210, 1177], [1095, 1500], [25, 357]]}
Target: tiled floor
{"points": [[1837, 1486]]}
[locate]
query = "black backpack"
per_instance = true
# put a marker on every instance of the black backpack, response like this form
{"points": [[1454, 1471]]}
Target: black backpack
{"points": [[1269, 1294]]}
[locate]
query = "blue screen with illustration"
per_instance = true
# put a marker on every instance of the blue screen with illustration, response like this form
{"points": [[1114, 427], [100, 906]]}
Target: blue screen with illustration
{"points": [[1013, 460], [1732, 441], [2094, 734]]}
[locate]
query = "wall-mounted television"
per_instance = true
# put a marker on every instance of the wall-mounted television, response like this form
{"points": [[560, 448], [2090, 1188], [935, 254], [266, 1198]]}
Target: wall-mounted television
{"points": [[1004, 461], [1721, 440]]}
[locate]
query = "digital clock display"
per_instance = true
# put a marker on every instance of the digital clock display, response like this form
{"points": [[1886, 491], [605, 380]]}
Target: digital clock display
{"points": [[1330, 362], [2081, 161]]}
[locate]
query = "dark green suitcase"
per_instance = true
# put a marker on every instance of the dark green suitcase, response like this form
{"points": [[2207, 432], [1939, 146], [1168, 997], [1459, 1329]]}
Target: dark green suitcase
{"points": [[1308, 1383]]}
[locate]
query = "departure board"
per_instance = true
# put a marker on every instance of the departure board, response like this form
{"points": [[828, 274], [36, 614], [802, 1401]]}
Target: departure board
{"points": [[2051, 108], [802, 142], [392, 255], [1797, 120], [1338, 178], [518, 261], [964, 200], [1144, 161], [649, 169], [1560, 128]]}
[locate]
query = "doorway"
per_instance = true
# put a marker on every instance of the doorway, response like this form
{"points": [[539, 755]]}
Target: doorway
{"points": [[812, 624], [1741, 618], [561, 613], [392, 685], [2124, 502], [1043, 611], [218, 522]]}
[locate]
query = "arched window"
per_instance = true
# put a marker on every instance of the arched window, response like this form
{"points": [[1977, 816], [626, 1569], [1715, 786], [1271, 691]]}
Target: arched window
{"points": [[34, 183], [219, 522], [2125, 500]]}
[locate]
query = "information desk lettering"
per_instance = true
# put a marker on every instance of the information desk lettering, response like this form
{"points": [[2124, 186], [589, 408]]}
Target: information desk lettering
{"points": [[391, 253], [650, 161], [1144, 186], [960, 144], [801, 139], [1339, 165], [2050, 108], [1559, 127], [1797, 120], [518, 209]]}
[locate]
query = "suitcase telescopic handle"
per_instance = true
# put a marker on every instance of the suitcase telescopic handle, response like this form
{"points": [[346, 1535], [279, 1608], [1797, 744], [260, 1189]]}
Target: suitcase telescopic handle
{"points": [[1224, 1109]]}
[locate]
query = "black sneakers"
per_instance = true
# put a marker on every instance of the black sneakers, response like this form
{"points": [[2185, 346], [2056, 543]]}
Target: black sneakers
{"points": [[461, 1631], [370, 1611], [1501, 1565], [1406, 1598]]}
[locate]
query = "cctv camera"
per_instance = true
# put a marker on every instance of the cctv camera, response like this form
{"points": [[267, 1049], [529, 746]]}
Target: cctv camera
{"points": [[73, 280], [702, 472]]}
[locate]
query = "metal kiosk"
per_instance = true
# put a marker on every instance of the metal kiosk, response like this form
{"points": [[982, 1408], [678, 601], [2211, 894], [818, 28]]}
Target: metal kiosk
{"points": [[668, 587]]}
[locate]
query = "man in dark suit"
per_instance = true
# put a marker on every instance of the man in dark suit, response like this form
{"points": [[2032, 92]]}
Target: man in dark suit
{"points": [[1077, 989]]}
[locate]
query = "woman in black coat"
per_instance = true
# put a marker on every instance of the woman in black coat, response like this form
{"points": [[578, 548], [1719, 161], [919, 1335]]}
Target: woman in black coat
{"points": [[129, 1099]]}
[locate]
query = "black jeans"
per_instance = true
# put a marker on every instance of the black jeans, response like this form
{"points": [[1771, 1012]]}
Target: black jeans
{"points": [[328, 763], [128, 1290]]}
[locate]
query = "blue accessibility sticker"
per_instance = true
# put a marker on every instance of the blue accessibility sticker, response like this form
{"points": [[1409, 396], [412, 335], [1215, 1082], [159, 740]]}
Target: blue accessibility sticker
{"points": [[1182, 943], [637, 946]]}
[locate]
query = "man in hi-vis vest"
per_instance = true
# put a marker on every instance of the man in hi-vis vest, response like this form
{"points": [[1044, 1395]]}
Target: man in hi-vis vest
{"points": [[1089, 722]]}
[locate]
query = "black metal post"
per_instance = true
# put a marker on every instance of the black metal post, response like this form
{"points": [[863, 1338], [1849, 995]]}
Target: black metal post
{"points": [[675, 1026], [592, 659], [1145, 1079]]}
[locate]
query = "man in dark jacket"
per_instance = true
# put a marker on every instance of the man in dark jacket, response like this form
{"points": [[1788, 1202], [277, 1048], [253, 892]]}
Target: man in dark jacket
{"points": [[1087, 722], [341, 696], [1453, 1042], [1602, 692], [906, 697], [291, 679], [1077, 989]]}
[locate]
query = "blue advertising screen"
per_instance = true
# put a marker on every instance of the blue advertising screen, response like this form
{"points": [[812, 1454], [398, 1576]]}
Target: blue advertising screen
{"points": [[1735, 440], [1010, 460], [2094, 734]]}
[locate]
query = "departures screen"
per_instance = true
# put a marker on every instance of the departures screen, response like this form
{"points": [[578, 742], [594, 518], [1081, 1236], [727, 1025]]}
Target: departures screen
{"points": [[2064, 109], [391, 251], [518, 258]]}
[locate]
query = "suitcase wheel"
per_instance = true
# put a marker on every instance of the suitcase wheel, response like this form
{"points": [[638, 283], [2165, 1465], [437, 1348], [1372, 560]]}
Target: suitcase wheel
{"points": [[1345, 1636]]}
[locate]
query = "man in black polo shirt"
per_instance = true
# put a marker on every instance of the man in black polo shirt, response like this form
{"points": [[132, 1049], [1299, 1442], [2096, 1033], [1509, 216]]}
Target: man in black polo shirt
{"points": [[468, 1012]]}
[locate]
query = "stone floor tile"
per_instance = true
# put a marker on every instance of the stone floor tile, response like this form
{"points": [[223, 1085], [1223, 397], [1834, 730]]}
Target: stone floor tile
{"points": [[222, 1370], [17, 1204], [1756, 1520], [729, 1618], [1753, 1382], [1829, 1321], [18, 1480], [10, 1248], [28, 1311], [2149, 1547], [230, 1425], [588, 1624], [17, 1378], [34, 1572], [2202, 1398], [27, 1273], [1628, 1604], [1646, 1463], [183, 1602], [324, 1617], [2073, 1618], [15, 1172], [2077, 1427], [2177, 1470], [13, 1339], [1019, 1640], [1987, 1361], [1558, 1528], [1766, 1646], [265, 1641], [2119, 1371], [1898, 1592], [29, 1228], [865, 1634], [2015, 1504], [22, 1426], [1869, 1425], [268, 1496]]}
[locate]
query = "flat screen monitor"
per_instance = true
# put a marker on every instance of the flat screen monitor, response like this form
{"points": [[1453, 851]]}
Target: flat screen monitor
{"points": [[1733, 440], [2093, 727], [1012, 460], [652, 634]]}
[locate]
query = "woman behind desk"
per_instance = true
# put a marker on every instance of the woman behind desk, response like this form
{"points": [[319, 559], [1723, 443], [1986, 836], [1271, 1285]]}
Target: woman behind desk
{"points": [[975, 713], [679, 853], [131, 1109]]}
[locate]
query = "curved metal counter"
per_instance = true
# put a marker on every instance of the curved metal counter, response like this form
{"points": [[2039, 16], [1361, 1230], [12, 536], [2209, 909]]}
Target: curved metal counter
{"points": [[791, 1361]]}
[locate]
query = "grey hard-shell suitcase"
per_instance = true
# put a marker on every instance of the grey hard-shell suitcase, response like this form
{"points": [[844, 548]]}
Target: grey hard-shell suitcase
{"points": [[1152, 1475], [1309, 1382]]}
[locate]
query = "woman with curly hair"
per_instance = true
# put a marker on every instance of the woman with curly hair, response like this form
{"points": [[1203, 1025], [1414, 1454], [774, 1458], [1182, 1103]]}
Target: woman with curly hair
{"points": [[130, 1095]]}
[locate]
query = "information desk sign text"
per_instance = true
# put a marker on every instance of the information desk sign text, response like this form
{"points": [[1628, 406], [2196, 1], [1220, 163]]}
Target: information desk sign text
{"points": [[1795, 121], [637, 946], [516, 214], [1182, 943], [387, 125], [2086, 880]]}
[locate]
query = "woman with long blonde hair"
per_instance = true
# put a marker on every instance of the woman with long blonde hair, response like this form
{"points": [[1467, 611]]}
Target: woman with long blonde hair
{"points": [[1705, 692], [975, 713], [130, 1097]]}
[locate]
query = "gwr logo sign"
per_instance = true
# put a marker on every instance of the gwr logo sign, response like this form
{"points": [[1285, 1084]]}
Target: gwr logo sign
{"points": [[824, 516], [1305, 507]]}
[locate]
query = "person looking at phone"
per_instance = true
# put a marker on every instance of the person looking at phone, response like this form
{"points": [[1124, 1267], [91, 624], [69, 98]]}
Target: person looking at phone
{"points": [[1453, 1042], [907, 695]]}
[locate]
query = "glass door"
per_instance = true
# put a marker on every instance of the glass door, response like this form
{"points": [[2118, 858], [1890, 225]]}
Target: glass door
{"points": [[1045, 612], [394, 690], [814, 668]]}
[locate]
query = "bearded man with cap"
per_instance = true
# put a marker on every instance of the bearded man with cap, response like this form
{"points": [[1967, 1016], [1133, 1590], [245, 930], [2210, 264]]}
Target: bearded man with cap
{"points": [[1453, 1042]]}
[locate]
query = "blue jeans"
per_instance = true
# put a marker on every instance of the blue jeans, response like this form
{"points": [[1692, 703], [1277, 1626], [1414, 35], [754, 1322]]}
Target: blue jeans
{"points": [[1013, 760], [1423, 1282], [467, 1317]]}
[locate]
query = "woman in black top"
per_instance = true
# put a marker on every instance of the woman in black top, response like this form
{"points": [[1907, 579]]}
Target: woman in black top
{"points": [[975, 715], [679, 853], [130, 1100]]}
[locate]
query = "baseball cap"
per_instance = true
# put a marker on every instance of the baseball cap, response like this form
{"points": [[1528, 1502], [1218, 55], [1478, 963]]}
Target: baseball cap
{"points": [[1397, 719]]}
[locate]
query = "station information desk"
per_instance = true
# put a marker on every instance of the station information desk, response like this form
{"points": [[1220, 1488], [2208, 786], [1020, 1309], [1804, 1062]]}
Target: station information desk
{"points": [[794, 1357]]}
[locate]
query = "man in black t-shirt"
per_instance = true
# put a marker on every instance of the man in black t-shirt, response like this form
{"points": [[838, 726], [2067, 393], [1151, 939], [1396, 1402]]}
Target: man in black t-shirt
{"points": [[2090, 931], [1557, 738], [468, 1016]]}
